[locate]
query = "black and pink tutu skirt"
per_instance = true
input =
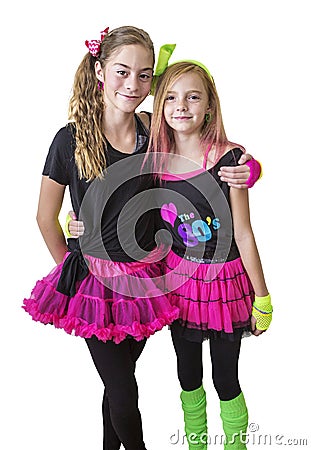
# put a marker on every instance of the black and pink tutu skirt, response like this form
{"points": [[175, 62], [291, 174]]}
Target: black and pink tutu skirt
{"points": [[113, 301], [214, 300]]}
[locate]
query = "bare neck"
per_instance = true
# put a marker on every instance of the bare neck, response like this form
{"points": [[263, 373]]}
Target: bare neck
{"points": [[187, 154], [189, 147], [120, 131]]}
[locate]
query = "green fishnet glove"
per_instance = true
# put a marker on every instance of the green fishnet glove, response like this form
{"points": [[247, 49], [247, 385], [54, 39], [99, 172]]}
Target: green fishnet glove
{"points": [[262, 311]]}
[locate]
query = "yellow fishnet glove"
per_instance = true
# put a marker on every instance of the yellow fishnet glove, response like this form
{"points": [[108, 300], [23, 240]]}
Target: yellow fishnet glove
{"points": [[262, 311], [67, 232], [261, 172]]}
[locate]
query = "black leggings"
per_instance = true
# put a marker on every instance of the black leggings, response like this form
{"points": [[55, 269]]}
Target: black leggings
{"points": [[224, 358], [115, 364]]}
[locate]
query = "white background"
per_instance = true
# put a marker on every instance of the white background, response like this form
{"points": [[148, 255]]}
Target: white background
{"points": [[259, 55]]}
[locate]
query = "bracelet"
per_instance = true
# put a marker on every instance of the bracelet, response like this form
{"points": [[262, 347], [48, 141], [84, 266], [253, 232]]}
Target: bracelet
{"points": [[255, 172], [263, 312]]}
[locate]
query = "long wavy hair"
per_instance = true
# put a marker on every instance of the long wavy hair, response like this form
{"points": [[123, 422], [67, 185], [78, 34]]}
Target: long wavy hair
{"points": [[86, 105], [213, 134]]}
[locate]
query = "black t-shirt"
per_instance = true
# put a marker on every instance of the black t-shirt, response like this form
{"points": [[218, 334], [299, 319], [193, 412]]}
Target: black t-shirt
{"points": [[118, 225], [195, 209]]}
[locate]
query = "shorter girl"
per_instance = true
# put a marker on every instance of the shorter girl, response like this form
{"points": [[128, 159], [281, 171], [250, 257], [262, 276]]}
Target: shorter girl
{"points": [[213, 270]]}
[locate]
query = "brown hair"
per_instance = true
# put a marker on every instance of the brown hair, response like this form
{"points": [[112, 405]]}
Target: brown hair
{"points": [[86, 105]]}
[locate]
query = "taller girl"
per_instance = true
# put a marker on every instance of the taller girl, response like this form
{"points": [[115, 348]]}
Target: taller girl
{"points": [[109, 300]]}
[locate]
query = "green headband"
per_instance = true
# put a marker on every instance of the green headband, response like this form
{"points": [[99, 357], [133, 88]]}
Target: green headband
{"points": [[165, 53]]}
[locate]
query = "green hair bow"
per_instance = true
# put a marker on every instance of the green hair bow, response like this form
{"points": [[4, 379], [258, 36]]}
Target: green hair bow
{"points": [[165, 53]]}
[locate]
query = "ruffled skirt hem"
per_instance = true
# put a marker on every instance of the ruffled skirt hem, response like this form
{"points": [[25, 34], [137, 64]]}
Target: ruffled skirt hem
{"points": [[79, 327], [109, 308]]}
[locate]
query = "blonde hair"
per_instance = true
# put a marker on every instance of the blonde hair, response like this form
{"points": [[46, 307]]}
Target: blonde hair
{"points": [[86, 106], [161, 136]]}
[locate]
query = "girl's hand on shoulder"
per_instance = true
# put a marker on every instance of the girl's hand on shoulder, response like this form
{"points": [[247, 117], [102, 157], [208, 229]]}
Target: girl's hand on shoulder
{"points": [[75, 227], [237, 176]]}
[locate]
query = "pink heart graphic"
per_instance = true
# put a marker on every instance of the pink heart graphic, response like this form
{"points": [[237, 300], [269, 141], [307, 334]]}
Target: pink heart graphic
{"points": [[169, 213]]}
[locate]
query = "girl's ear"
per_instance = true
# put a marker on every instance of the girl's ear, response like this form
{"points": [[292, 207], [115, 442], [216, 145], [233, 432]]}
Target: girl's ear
{"points": [[99, 71]]}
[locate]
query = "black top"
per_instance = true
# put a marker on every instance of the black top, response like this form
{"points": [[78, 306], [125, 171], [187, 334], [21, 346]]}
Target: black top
{"points": [[196, 212], [118, 225]]}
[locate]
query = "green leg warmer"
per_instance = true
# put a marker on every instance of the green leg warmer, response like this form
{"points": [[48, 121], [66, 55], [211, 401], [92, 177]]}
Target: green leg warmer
{"points": [[194, 407], [235, 420]]}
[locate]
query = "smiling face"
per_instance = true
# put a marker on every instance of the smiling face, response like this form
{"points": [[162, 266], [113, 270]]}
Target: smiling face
{"points": [[127, 78], [186, 104]]}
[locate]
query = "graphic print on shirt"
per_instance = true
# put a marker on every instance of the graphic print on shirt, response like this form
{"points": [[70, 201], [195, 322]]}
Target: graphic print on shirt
{"points": [[191, 230]]}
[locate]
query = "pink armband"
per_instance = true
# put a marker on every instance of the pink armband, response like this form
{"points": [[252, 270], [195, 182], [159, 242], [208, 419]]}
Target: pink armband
{"points": [[255, 172]]}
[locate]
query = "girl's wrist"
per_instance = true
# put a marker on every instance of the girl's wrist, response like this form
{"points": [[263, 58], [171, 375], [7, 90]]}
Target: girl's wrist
{"points": [[263, 303], [262, 294]]}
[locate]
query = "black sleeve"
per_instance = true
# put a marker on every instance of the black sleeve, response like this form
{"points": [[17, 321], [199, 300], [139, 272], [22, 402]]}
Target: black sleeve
{"points": [[60, 155], [232, 157]]}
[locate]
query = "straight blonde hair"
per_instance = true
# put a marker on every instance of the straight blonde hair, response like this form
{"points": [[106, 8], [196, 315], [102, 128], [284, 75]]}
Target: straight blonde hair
{"points": [[161, 136]]}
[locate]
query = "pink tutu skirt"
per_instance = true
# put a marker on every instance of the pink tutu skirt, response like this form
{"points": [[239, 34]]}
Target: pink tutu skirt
{"points": [[210, 297], [115, 300]]}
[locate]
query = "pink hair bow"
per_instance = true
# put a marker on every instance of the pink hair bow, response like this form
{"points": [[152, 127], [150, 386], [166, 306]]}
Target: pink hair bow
{"points": [[94, 45]]}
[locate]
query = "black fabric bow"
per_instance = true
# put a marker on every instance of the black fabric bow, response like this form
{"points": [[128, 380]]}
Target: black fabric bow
{"points": [[74, 269]]}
